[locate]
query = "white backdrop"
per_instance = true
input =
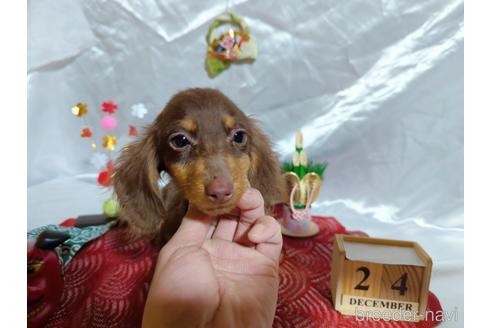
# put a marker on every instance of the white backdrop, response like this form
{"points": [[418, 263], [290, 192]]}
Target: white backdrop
{"points": [[376, 87]]}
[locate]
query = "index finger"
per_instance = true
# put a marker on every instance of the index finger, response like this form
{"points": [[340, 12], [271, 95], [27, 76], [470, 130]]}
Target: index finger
{"points": [[192, 232], [193, 229], [251, 207]]}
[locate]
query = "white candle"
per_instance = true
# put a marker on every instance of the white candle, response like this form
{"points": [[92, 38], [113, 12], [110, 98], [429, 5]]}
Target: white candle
{"points": [[299, 140]]}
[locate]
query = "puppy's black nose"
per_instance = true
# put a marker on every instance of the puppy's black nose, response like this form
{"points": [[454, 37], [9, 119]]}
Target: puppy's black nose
{"points": [[219, 191]]}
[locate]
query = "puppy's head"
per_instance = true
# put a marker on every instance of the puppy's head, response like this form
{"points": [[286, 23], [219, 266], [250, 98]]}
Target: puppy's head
{"points": [[211, 150], [206, 143]]}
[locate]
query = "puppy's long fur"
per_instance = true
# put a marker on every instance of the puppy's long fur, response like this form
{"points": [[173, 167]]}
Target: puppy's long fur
{"points": [[199, 137]]}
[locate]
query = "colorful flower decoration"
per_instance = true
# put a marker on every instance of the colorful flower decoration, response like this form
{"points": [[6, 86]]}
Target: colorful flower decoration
{"points": [[109, 142], [86, 133], [232, 46], [108, 122], [103, 161], [109, 107], [139, 110], [80, 109]]}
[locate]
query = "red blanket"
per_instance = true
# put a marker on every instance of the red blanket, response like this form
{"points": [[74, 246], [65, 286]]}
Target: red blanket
{"points": [[107, 282]]}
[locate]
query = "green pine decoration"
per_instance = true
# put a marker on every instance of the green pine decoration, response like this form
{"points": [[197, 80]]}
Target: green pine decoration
{"points": [[299, 164]]}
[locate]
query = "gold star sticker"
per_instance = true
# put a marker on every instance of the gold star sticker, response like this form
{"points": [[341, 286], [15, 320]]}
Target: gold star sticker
{"points": [[80, 109], [109, 142]]}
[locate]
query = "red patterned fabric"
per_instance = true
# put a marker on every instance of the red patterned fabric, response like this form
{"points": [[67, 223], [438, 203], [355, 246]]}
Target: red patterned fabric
{"points": [[107, 282], [304, 293]]}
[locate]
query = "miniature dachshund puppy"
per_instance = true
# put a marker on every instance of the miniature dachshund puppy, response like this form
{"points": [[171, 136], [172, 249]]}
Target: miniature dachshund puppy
{"points": [[212, 152]]}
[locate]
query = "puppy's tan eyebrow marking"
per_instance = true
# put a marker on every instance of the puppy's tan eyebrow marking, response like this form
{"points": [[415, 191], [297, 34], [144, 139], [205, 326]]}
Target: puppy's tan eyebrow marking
{"points": [[188, 124], [228, 121]]}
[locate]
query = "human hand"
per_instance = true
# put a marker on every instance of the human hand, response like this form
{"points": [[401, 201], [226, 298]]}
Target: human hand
{"points": [[218, 272]]}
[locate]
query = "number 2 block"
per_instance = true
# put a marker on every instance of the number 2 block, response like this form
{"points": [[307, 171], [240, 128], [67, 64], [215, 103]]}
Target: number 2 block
{"points": [[362, 278]]}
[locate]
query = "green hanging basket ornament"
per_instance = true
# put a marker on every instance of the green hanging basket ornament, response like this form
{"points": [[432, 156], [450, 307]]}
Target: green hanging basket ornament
{"points": [[235, 45]]}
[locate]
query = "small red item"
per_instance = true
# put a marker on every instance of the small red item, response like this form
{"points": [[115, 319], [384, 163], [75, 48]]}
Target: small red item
{"points": [[70, 222], [109, 107], [132, 131], [104, 178], [86, 133]]}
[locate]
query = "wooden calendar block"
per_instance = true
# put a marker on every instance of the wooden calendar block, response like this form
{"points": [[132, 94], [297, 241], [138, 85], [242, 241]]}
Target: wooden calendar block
{"points": [[380, 278]]}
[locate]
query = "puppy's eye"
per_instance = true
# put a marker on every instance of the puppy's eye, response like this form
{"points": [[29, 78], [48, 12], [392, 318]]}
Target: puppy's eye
{"points": [[179, 142], [239, 137]]}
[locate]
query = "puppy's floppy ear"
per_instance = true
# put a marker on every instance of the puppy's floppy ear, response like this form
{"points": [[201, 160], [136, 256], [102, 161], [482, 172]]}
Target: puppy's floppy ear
{"points": [[135, 184], [264, 172]]}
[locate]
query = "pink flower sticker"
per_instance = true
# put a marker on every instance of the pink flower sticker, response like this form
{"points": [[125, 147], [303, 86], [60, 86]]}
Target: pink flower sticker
{"points": [[228, 42]]}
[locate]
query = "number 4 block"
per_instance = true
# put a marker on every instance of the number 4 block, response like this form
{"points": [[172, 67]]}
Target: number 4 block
{"points": [[380, 278]]}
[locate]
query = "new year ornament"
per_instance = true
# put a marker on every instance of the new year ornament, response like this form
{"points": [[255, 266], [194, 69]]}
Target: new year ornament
{"points": [[235, 45]]}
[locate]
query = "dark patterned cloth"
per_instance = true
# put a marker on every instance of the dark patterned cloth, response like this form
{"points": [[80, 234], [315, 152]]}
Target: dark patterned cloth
{"points": [[78, 238]]}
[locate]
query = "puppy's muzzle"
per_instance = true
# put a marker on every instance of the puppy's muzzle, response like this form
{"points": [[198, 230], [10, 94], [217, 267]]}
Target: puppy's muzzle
{"points": [[219, 191]]}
